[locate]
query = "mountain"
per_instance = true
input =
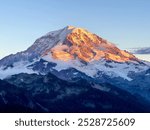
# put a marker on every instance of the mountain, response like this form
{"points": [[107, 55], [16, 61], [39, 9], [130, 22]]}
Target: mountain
{"points": [[38, 93], [13, 99], [144, 50], [70, 65], [72, 47], [141, 53]]}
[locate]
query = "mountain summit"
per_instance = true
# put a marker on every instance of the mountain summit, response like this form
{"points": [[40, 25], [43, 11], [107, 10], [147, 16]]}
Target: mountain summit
{"points": [[81, 44], [72, 43], [75, 48]]}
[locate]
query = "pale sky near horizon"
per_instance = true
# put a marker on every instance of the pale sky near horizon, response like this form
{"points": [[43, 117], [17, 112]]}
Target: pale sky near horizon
{"points": [[123, 22]]}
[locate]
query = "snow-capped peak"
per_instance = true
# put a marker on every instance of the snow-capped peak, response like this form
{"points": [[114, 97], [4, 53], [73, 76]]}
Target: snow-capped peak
{"points": [[72, 43], [73, 47]]}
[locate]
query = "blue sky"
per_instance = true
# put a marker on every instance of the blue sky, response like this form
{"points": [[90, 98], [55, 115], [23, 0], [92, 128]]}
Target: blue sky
{"points": [[123, 22]]}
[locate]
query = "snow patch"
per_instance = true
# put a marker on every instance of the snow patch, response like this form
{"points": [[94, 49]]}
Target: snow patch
{"points": [[19, 67], [101, 88]]}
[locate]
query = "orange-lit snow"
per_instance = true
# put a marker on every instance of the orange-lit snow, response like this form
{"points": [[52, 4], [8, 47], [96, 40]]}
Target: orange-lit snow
{"points": [[80, 43]]}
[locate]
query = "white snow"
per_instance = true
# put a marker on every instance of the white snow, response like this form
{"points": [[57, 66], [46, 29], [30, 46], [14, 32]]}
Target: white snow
{"points": [[45, 63], [91, 69], [46, 42], [19, 67], [105, 89], [75, 73]]}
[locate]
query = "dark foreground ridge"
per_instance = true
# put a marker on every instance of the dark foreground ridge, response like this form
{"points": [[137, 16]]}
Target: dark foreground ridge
{"points": [[37, 93]]}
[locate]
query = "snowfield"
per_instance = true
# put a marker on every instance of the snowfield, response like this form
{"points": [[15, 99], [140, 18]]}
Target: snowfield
{"points": [[112, 69], [18, 68], [145, 57]]}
